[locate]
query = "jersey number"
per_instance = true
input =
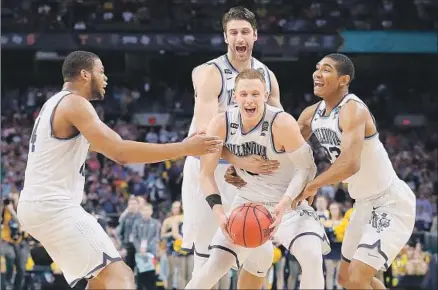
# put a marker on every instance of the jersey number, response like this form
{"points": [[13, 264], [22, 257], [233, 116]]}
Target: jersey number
{"points": [[335, 150], [34, 136]]}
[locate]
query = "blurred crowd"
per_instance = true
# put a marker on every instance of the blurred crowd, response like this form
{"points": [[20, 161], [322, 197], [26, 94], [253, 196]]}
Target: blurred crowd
{"points": [[205, 15], [139, 205]]}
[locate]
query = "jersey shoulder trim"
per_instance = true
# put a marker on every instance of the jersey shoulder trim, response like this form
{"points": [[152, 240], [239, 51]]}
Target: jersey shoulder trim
{"points": [[52, 115]]}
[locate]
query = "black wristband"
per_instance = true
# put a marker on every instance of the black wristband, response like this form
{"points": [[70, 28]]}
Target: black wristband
{"points": [[213, 199]]}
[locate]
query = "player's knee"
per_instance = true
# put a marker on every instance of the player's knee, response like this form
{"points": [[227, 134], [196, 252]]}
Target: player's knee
{"points": [[342, 278], [117, 274], [355, 277]]}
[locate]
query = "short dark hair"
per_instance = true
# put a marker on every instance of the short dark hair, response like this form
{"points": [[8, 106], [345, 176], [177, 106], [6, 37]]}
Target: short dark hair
{"points": [[344, 65], [77, 61], [239, 13]]}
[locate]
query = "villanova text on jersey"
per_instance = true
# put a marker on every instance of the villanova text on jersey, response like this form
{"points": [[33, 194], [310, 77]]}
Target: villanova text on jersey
{"points": [[327, 136], [247, 148]]}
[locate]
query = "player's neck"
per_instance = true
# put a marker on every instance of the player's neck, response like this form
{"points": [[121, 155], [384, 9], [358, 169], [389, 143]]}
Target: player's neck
{"points": [[249, 125], [76, 89], [239, 65], [333, 101]]}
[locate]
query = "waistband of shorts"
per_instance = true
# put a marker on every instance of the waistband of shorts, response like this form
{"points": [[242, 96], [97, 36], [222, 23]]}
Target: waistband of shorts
{"points": [[270, 205], [381, 194]]}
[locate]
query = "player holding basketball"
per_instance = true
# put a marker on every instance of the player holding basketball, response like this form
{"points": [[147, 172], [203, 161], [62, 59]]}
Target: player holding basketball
{"points": [[254, 127], [384, 215], [49, 207], [214, 85]]}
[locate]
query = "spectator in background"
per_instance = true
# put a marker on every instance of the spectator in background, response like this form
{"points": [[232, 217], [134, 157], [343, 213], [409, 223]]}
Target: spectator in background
{"points": [[321, 204], [146, 236], [137, 186], [332, 261], [174, 258], [14, 245], [125, 231], [185, 261], [423, 219]]}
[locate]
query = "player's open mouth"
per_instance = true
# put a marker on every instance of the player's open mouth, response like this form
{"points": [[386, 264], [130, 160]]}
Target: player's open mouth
{"points": [[241, 49], [250, 111], [318, 84]]}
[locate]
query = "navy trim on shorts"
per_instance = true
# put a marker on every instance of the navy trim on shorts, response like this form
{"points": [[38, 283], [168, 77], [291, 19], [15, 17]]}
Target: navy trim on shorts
{"points": [[200, 254], [106, 260], [378, 245], [227, 250], [305, 234], [345, 259]]}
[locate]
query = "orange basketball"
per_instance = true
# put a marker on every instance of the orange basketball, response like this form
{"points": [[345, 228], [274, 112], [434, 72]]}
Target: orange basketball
{"points": [[248, 225]]}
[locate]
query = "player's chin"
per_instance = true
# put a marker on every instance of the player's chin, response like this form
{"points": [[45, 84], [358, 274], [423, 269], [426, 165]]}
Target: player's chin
{"points": [[318, 92]]}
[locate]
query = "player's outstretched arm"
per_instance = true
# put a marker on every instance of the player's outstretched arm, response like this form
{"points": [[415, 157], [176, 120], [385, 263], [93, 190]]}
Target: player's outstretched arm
{"points": [[305, 119], [287, 136], [274, 97], [207, 83], [81, 114]]}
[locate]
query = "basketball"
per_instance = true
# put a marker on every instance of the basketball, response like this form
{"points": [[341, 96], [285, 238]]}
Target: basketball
{"points": [[248, 225]]}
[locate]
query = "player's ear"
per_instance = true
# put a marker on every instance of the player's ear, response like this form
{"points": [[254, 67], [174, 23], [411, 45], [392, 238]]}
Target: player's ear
{"points": [[266, 96], [255, 35], [85, 74], [225, 38], [344, 80]]}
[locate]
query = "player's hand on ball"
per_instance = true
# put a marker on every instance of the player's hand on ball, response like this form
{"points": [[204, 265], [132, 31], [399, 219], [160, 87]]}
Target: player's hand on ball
{"points": [[232, 178], [279, 210], [223, 220], [308, 194], [199, 144], [256, 164]]}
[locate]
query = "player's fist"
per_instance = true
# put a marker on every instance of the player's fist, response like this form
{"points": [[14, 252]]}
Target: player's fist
{"points": [[199, 144]]}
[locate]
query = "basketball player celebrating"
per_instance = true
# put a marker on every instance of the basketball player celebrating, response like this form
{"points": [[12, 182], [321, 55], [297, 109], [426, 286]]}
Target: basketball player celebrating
{"points": [[254, 127], [385, 205], [214, 85], [49, 207]]}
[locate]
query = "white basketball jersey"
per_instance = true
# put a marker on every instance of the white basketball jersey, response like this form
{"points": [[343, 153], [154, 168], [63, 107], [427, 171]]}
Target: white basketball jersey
{"points": [[55, 167], [229, 74], [376, 172], [259, 141]]}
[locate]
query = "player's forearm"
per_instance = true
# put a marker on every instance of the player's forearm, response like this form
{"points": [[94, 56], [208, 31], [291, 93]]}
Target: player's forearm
{"points": [[126, 152], [299, 182], [230, 157], [208, 184], [302, 158], [340, 170]]}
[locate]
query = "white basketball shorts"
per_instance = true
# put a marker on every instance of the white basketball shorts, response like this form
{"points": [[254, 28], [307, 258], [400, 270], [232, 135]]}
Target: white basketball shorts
{"points": [[73, 238], [294, 225], [200, 223], [380, 226]]}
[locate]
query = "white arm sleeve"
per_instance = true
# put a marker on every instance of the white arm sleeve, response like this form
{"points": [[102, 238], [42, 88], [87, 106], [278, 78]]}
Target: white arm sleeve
{"points": [[305, 171]]}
